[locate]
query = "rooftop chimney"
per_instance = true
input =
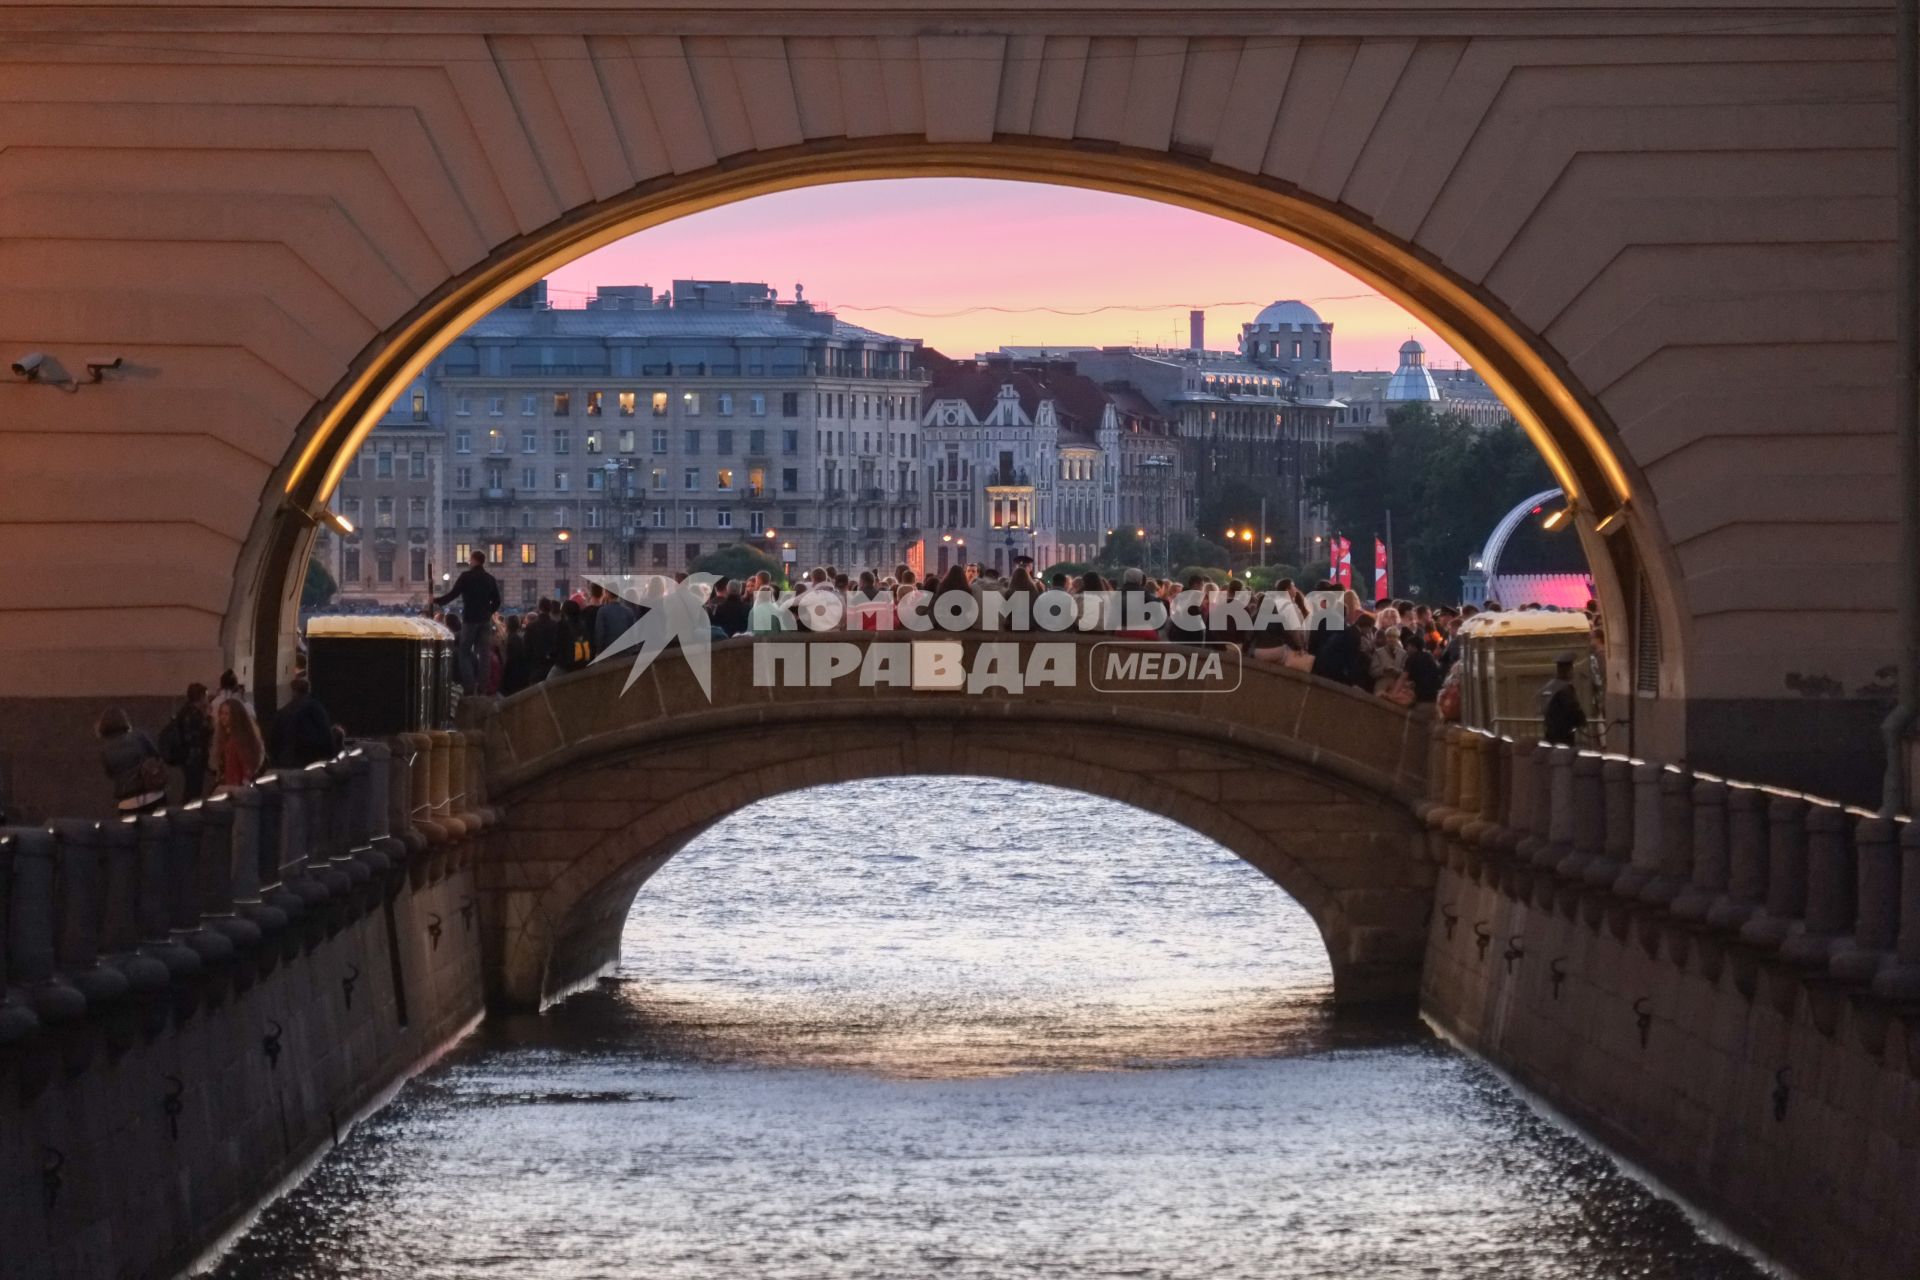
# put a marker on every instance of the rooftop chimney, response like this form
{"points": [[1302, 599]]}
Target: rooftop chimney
{"points": [[1197, 330]]}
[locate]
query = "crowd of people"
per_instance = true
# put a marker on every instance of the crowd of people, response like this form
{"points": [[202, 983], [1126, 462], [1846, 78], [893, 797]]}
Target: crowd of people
{"points": [[212, 741], [1398, 649]]}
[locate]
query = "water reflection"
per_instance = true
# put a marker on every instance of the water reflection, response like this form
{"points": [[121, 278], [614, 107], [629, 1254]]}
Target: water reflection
{"points": [[1024, 1034]]}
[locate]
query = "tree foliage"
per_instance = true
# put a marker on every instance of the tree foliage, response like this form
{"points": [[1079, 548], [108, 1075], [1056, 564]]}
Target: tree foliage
{"points": [[737, 560], [318, 587], [1446, 482]]}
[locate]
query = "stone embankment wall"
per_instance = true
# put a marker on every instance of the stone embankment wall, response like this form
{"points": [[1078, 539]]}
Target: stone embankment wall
{"points": [[1721, 982], [195, 1003]]}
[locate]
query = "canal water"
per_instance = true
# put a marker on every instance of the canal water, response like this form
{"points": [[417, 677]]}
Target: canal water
{"points": [[964, 1028]]}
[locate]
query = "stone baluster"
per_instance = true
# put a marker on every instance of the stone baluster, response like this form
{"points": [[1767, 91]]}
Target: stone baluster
{"points": [[443, 784], [249, 830], [120, 932], [1707, 881], [1588, 831], [1518, 771], [477, 779], [296, 835], [154, 832], [184, 856], [78, 892], [1558, 846], [18, 1021], [402, 802], [1675, 866], [367, 809], [427, 761], [1901, 979], [1538, 805], [1876, 927], [1616, 823], [217, 897], [348, 831], [1643, 859], [1786, 899], [1436, 763], [323, 854], [1829, 901], [274, 890], [1746, 859], [386, 812], [31, 953]]}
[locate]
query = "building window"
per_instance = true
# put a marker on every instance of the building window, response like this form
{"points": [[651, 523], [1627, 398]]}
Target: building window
{"points": [[723, 478], [593, 404], [560, 479], [529, 554], [689, 518], [789, 516], [350, 564], [383, 464], [593, 442], [690, 443], [529, 593], [496, 441], [756, 481], [417, 564], [562, 403], [529, 440], [593, 515], [593, 555], [560, 556], [463, 441], [529, 478], [659, 517], [757, 441], [789, 481], [496, 405], [463, 406], [723, 518], [417, 465], [353, 465], [693, 553], [626, 404], [659, 439], [659, 480], [463, 477], [562, 441], [419, 406], [383, 568], [462, 519], [690, 403], [497, 553], [417, 513], [723, 443], [724, 405], [659, 404], [789, 404], [529, 405], [462, 552], [756, 522], [789, 441], [691, 479], [596, 478], [757, 406], [626, 440]]}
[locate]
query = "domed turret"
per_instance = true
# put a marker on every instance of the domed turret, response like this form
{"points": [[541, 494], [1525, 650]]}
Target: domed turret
{"points": [[1289, 337], [1411, 381], [1290, 312]]}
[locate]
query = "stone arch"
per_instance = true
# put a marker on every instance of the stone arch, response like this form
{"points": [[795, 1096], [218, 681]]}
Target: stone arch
{"points": [[558, 895], [1616, 519]]}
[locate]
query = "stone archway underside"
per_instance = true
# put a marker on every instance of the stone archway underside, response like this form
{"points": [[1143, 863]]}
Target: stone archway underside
{"points": [[1673, 222], [558, 882]]}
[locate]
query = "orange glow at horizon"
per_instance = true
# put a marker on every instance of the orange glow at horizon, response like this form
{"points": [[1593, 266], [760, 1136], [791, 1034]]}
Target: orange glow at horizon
{"points": [[877, 252]]}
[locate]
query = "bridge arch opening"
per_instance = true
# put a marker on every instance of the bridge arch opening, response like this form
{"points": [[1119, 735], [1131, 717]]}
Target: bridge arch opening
{"points": [[1634, 570], [963, 925]]}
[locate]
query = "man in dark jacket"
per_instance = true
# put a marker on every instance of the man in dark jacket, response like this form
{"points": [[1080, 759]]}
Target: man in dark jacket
{"points": [[302, 730], [540, 632], [1346, 656], [187, 740], [479, 596], [1561, 715]]}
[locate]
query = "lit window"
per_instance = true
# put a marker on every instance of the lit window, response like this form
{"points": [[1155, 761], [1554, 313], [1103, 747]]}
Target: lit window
{"points": [[626, 404], [593, 404], [419, 406], [659, 404], [463, 552], [723, 478], [593, 442], [562, 403], [496, 441], [529, 553], [690, 402], [497, 552]]}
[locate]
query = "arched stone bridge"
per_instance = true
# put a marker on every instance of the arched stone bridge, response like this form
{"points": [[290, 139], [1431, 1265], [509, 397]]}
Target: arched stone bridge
{"points": [[1312, 783]]}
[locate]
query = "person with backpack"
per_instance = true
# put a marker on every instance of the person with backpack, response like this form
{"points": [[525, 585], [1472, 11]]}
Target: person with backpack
{"points": [[132, 761], [186, 742], [572, 641], [479, 596]]}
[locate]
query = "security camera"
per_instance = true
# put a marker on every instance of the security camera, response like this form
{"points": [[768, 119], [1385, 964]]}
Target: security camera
{"points": [[97, 369], [28, 366]]}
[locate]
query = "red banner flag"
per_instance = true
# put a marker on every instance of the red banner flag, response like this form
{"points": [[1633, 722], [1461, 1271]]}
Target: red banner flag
{"points": [[1342, 567], [1380, 587]]}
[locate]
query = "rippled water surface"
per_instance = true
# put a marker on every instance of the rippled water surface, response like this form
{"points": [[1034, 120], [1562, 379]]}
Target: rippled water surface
{"points": [[939, 1028]]}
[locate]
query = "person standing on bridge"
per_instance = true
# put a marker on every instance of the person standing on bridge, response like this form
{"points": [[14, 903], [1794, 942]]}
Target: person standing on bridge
{"points": [[479, 596], [1561, 715]]}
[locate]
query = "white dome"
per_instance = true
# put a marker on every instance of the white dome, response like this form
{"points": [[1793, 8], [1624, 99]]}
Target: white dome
{"points": [[1412, 348], [1290, 312]]}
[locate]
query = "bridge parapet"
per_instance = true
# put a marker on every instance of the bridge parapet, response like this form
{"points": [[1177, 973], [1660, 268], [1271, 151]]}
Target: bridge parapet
{"points": [[1364, 740], [111, 929]]}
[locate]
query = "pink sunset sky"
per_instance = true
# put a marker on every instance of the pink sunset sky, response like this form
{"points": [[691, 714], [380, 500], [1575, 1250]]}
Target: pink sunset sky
{"points": [[879, 252]]}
